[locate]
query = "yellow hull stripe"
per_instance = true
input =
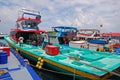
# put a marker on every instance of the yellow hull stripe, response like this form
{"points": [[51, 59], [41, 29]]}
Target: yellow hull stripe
{"points": [[73, 70]]}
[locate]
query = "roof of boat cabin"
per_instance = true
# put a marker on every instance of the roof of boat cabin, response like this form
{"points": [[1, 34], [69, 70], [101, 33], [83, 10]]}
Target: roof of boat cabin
{"points": [[110, 34], [29, 30], [33, 19], [65, 27]]}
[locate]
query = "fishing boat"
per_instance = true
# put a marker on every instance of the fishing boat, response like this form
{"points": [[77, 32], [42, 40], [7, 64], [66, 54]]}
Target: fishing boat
{"points": [[77, 62], [89, 38], [94, 40], [114, 39], [62, 34], [88, 33], [13, 66], [111, 35]]}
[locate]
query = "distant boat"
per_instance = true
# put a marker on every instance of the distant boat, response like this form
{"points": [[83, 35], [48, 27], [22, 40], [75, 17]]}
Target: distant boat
{"points": [[90, 38], [60, 33], [88, 33], [2, 35], [13, 66]]}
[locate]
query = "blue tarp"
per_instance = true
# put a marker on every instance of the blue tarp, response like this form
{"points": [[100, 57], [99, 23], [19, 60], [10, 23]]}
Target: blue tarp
{"points": [[97, 41]]}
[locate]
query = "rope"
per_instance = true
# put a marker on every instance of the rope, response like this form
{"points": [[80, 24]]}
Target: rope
{"points": [[3, 71], [111, 72], [52, 71], [57, 72], [40, 63], [74, 75]]}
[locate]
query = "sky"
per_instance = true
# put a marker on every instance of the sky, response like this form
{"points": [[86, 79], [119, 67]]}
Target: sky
{"points": [[83, 14]]}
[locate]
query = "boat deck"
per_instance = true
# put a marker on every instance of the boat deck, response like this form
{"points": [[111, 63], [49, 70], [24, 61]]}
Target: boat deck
{"points": [[99, 59], [15, 71], [76, 60]]}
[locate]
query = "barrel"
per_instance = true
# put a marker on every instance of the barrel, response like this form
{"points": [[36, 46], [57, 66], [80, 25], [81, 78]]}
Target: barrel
{"points": [[3, 57], [52, 50], [7, 49]]}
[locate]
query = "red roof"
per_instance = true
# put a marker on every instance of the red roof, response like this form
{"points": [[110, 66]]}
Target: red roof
{"points": [[110, 34], [19, 30], [34, 19]]}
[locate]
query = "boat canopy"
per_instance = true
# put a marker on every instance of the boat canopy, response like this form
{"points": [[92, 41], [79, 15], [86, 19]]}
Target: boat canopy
{"points": [[65, 29], [31, 14], [28, 19], [32, 30], [25, 14], [111, 34]]}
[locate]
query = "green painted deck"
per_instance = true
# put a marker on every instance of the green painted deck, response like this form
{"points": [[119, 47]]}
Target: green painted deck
{"points": [[73, 58]]}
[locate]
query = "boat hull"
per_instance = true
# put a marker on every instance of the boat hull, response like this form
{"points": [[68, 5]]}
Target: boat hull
{"points": [[51, 65], [55, 65], [15, 65]]}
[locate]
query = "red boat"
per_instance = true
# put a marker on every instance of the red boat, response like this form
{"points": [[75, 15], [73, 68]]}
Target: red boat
{"points": [[27, 27]]}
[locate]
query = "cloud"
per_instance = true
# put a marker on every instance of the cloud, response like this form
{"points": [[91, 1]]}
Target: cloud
{"points": [[81, 13]]}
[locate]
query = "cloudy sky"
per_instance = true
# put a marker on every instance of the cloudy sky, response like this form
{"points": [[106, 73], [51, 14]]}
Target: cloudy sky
{"points": [[79, 13]]}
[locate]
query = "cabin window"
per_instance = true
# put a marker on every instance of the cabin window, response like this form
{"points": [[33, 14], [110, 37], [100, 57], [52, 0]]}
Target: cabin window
{"points": [[38, 17]]}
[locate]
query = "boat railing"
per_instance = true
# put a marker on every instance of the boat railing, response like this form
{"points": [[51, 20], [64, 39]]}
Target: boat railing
{"points": [[28, 12]]}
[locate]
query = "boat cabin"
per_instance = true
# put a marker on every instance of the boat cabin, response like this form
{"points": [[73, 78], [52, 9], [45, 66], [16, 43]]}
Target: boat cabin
{"points": [[28, 19], [27, 27], [29, 36], [63, 33]]}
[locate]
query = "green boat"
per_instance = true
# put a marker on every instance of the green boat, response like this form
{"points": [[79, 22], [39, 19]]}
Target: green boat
{"points": [[77, 62]]}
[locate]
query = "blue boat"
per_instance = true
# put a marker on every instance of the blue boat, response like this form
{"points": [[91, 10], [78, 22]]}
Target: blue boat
{"points": [[63, 34], [63, 31], [97, 41], [13, 66]]}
